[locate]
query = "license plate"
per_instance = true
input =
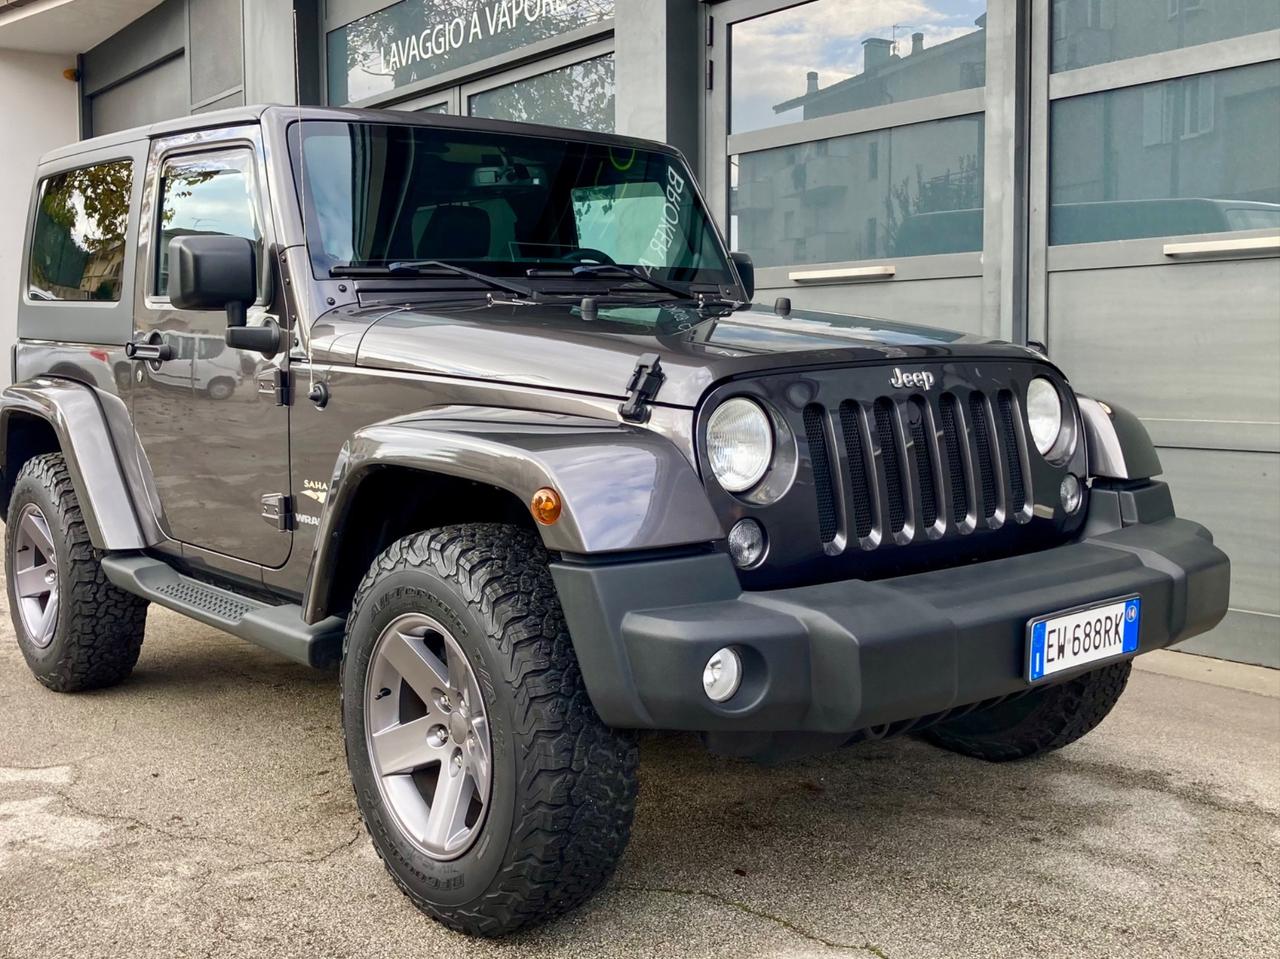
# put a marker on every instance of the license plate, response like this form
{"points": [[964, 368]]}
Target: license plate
{"points": [[1067, 640]]}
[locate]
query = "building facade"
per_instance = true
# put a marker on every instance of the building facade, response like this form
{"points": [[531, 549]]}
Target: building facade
{"points": [[1100, 176]]}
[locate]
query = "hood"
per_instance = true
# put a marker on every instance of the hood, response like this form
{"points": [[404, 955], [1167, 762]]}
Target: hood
{"points": [[551, 345]]}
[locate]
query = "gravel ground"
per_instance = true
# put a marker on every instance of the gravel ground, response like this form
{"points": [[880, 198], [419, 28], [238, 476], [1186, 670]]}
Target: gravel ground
{"points": [[203, 809]]}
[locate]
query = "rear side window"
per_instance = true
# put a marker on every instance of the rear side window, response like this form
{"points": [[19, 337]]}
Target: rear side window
{"points": [[77, 250]]}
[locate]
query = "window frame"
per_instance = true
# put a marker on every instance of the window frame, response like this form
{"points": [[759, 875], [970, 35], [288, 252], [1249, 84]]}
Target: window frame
{"points": [[1193, 62], [721, 147], [258, 200], [1047, 87]]}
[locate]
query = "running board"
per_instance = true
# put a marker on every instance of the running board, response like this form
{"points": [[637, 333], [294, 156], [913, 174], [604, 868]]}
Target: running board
{"points": [[278, 628]]}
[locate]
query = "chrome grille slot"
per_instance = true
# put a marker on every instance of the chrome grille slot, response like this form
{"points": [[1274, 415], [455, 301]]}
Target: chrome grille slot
{"points": [[985, 454], [887, 435], [1012, 454], [955, 462], [922, 453], [855, 449], [820, 455]]}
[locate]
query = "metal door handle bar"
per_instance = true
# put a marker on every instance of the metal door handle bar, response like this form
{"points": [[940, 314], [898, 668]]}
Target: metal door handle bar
{"points": [[148, 352], [1252, 244], [884, 271]]}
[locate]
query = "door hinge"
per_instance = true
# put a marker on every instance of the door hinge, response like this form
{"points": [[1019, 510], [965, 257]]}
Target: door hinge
{"points": [[646, 380], [711, 30], [276, 383], [711, 72], [277, 509]]}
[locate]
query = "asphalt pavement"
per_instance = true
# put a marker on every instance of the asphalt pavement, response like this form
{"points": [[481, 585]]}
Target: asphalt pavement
{"points": [[202, 809]]}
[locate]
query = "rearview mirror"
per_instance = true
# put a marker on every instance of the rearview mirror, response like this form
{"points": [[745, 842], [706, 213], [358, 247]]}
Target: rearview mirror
{"points": [[746, 272], [218, 272]]}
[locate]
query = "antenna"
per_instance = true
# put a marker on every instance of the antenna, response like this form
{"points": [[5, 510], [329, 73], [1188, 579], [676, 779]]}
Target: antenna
{"points": [[302, 193]]}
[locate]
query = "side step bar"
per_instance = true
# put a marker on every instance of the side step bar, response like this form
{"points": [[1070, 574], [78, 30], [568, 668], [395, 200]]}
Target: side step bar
{"points": [[278, 628]]}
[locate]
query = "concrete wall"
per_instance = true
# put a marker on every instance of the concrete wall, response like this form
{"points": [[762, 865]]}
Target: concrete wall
{"points": [[37, 113]]}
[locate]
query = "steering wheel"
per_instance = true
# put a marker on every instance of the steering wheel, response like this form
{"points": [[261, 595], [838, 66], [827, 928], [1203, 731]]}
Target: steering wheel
{"points": [[585, 255]]}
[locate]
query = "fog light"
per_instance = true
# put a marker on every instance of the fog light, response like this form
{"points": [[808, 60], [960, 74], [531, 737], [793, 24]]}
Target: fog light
{"points": [[746, 543], [722, 675], [1071, 493]]}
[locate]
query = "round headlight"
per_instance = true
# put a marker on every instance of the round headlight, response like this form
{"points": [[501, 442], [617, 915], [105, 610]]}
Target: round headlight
{"points": [[739, 444], [1044, 414]]}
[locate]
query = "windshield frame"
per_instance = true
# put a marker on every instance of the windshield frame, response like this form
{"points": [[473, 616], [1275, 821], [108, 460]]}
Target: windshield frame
{"points": [[724, 279]]}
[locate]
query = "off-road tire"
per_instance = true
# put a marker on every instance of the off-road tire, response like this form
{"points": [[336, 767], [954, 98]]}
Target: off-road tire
{"points": [[99, 627], [563, 784], [1038, 722]]}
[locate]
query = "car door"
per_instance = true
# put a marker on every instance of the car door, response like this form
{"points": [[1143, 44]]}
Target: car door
{"points": [[210, 428]]}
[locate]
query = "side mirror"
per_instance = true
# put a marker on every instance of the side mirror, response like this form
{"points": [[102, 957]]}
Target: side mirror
{"points": [[218, 272], [746, 272]]}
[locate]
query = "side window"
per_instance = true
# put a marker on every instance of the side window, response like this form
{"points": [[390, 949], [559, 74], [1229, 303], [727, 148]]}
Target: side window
{"points": [[211, 193], [77, 249]]}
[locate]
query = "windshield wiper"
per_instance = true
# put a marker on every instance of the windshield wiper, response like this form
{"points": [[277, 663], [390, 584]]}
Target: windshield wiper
{"points": [[426, 267], [591, 270]]}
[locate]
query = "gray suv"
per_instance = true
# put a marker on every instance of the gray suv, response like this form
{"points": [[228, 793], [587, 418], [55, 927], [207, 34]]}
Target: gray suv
{"points": [[484, 413]]}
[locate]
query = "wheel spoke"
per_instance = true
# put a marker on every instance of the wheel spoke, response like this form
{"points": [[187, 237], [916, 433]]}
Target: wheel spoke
{"points": [[33, 582], [37, 533], [448, 807], [45, 626], [404, 747], [417, 665], [477, 756], [459, 670]]}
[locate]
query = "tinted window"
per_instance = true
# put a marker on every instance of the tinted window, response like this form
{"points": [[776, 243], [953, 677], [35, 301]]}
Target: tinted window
{"points": [[578, 96], [207, 194], [907, 191], [1193, 155], [1086, 32], [77, 250]]}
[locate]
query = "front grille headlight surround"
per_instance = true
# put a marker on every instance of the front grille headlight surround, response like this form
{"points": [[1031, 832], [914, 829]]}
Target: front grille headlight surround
{"points": [[740, 443], [1051, 420]]}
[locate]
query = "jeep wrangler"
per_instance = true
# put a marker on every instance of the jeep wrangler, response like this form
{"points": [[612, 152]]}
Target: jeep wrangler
{"points": [[484, 413]]}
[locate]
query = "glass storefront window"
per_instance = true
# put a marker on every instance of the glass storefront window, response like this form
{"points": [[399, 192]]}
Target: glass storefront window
{"points": [[1186, 156], [1088, 32], [578, 96], [416, 39], [833, 56], [906, 191]]}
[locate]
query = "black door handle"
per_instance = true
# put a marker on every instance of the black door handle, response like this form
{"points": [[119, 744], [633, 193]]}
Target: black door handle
{"points": [[146, 352]]}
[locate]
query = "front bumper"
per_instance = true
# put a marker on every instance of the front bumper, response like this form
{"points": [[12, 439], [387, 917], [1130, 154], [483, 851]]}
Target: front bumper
{"points": [[844, 657]]}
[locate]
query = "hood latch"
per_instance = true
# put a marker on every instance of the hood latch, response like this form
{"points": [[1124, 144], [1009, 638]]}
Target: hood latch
{"points": [[646, 380]]}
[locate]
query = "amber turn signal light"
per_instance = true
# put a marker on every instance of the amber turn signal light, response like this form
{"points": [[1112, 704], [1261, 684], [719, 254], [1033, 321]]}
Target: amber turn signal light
{"points": [[545, 506]]}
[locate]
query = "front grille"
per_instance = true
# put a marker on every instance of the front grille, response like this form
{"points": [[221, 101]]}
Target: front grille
{"points": [[928, 456]]}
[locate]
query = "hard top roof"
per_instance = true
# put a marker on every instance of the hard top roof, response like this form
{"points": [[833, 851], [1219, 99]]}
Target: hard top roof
{"points": [[283, 114]]}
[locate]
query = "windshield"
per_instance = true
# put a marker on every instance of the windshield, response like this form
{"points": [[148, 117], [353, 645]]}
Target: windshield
{"points": [[500, 203]]}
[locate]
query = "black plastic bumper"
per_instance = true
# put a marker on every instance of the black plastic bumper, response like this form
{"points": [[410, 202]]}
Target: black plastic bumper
{"points": [[843, 657]]}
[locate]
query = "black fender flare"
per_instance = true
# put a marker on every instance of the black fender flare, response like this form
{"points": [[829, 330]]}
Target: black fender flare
{"points": [[75, 413], [623, 488], [1118, 445]]}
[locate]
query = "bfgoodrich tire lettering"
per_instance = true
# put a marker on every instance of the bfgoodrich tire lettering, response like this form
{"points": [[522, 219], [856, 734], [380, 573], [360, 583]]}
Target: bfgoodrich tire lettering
{"points": [[563, 785], [1039, 722], [98, 630]]}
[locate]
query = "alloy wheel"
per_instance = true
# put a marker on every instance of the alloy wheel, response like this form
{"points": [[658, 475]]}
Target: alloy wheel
{"points": [[428, 735], [34, 569]]}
